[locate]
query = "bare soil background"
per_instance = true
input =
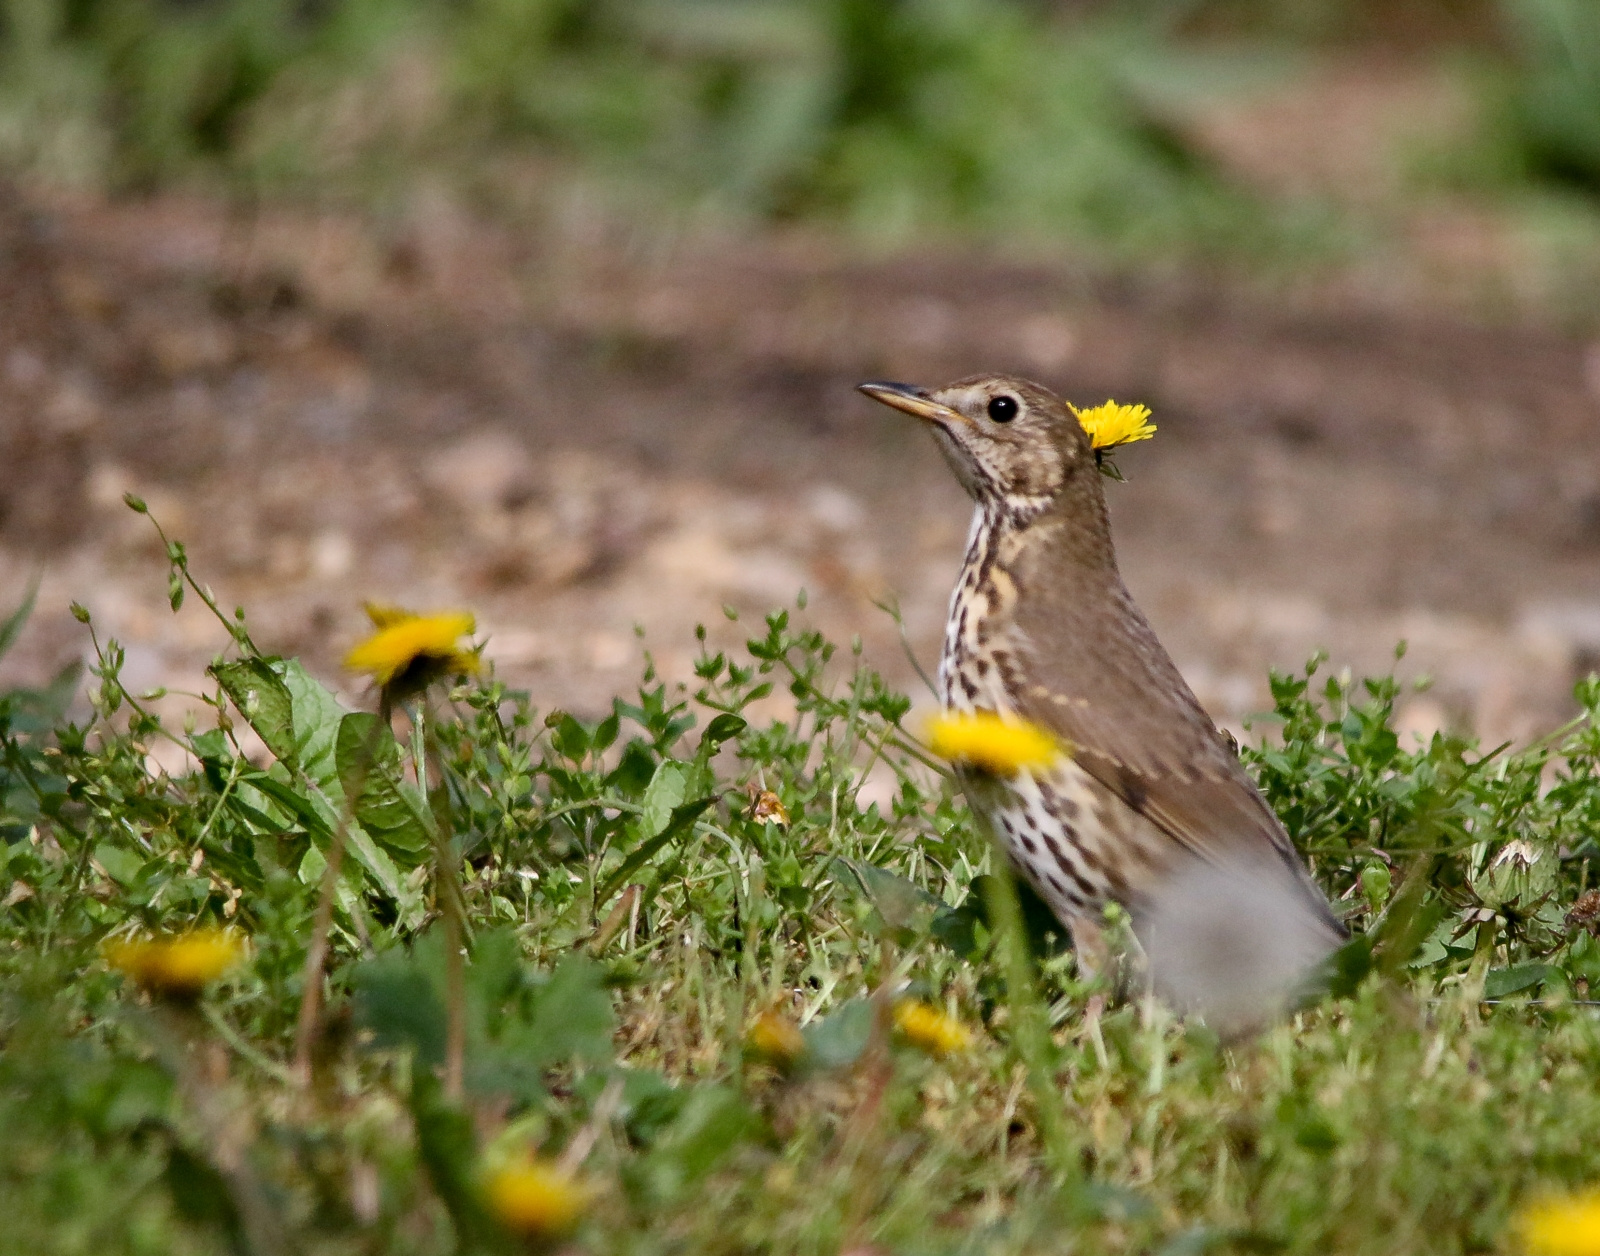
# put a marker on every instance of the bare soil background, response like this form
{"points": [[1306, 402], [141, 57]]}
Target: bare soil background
{"points": [[577, 431]]}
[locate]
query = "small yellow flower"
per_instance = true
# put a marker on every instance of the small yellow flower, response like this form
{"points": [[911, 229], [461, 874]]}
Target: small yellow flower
{"points": [[535, 1199], [985, 740], [766, 805], [776, 1038], [1563, 1226], [925, 1026], [176, 967], [410, 651], [1111, 423]]}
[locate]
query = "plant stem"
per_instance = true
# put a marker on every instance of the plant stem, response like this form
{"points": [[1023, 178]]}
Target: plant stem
{"points": [[305, 1032], [226, 1126], [1030, 1030], [1395, 938], [1478, 970], [452, 904], [455, 1041]]}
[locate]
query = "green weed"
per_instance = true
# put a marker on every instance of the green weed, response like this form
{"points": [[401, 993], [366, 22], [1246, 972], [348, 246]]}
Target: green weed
{"points": [[642, 891]]}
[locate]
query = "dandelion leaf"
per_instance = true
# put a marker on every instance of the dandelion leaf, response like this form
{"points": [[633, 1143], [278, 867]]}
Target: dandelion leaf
{"points": [[713, 1122], [199, 1192], [316, 715], [1513, 980], [258, 691], [903, 907], [838, 1039], [299, 720], [447, 1144], [397, 1000], [665, 791], [368, 761], [521, 1024], [120, 865], [572, 1016]]}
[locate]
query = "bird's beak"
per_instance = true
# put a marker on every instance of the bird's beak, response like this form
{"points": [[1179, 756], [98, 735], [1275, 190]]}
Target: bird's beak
{"points": [[914, 401]]}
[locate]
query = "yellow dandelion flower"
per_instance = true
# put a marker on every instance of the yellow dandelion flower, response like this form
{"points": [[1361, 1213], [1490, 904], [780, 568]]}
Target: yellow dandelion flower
{"points": [[176, 967], [535, 1198], [1563, 1226], [776, 1038], [1111, 423], [410, 651], [925, 1026], [985, 740]]}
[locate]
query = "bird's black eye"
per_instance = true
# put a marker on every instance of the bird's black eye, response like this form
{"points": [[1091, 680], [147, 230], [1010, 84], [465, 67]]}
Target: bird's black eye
{"points": [[1003, 409]]}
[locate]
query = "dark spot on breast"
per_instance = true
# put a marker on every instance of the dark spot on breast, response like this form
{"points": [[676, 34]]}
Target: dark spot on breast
{"points": [[1077, 877], [1060, 806], [983, 666]]}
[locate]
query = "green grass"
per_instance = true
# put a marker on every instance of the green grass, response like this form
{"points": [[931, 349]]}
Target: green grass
{"points": [[629, 919]]}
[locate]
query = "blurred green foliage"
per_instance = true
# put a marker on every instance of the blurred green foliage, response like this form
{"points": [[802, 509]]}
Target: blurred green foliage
{"points": [[890, 116], [1010, 120], [1369, 23], [1554, 98]]}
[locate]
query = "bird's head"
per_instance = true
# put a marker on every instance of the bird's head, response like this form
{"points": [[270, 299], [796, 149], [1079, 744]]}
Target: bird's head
{"points": [[1007, 440]]}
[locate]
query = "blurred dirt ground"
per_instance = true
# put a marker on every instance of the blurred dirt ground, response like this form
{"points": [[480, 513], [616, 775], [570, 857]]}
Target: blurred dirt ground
{"points": [[578, 432]]}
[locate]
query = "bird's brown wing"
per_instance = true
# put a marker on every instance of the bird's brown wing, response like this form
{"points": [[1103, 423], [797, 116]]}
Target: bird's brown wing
{"points": [[1138, 729]]}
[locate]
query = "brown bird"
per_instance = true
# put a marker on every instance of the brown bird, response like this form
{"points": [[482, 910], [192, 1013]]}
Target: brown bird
{"points": [[1151, 807]]}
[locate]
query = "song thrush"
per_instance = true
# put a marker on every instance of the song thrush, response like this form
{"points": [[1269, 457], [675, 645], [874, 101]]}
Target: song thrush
{"points": [[1149, 805]]}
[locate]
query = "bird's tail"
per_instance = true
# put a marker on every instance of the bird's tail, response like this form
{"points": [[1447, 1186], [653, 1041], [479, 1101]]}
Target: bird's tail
{"points": [[1235, 940]]}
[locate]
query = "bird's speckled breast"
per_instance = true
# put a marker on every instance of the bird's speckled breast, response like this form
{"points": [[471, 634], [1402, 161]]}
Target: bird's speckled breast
{"points": [[1057, 825]]}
